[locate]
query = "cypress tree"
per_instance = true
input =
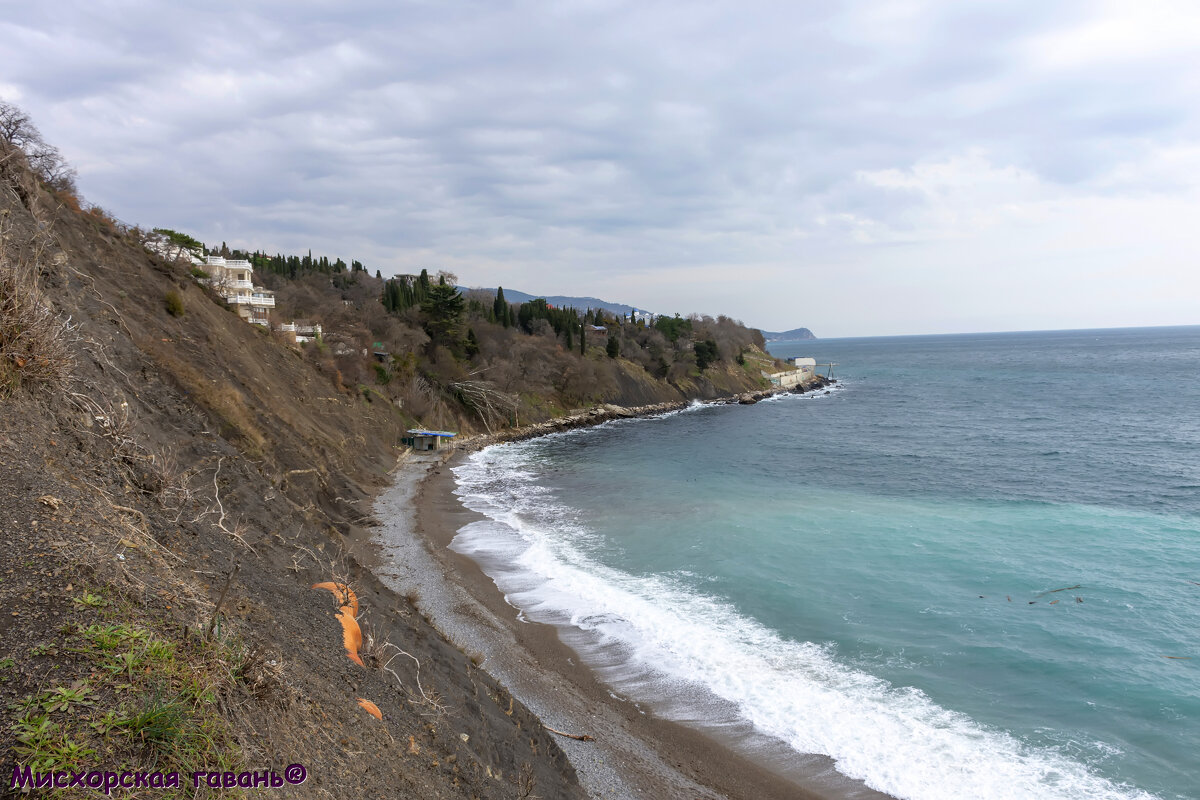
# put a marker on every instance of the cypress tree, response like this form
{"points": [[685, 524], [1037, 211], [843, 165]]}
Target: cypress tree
{"points": [[613, 348], [582, 339], [570, 343], [500, 308]]}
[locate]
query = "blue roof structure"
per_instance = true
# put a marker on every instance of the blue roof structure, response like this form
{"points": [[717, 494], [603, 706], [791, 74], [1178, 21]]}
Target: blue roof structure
{"points": [[447, 434]]}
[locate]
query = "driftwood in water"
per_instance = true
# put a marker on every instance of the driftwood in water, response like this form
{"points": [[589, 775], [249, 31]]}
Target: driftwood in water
{"points": [[1063, 589]]}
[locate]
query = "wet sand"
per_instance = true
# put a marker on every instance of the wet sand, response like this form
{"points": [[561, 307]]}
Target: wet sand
{"points": [[635, 753]]}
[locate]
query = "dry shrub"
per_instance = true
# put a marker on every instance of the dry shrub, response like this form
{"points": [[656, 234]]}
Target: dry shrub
{"points": [[36, 344], [174, 303]]}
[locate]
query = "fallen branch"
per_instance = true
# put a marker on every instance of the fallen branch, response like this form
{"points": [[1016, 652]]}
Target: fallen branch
{"points": [[578, 737], [221, 599], [236, 533], [129, 510]]}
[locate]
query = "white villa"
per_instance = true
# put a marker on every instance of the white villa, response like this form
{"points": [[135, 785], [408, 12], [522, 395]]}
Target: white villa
{"points": [[233, 279]]}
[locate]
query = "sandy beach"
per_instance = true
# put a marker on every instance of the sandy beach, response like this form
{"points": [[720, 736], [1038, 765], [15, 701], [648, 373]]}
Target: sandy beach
{"points": [[635, 754]]}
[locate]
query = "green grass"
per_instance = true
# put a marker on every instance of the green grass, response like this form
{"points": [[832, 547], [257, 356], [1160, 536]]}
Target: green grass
{"points": [[91, 600], [141, 699]]}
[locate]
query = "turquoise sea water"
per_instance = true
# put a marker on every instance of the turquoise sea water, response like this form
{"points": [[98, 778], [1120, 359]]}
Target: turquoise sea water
{"points": [[868, 574]]}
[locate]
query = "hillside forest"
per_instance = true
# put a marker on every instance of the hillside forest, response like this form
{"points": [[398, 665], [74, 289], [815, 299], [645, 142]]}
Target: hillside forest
{"points": [[469, 359]]}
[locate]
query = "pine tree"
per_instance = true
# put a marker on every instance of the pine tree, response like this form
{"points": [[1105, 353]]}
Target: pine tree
{"points": [[443, 307]]}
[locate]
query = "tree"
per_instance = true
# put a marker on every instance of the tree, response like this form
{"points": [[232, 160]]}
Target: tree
{"points": [[16, 127], [706, 353], [44, 159], [613, 348], [443, 307], [175, 244], [501, 310]]}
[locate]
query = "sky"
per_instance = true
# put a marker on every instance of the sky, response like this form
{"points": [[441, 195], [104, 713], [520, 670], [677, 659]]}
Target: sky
{"points": [[858, 168]]}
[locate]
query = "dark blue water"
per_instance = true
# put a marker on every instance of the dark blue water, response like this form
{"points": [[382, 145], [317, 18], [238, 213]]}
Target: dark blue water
{"points": [[870, 574]]}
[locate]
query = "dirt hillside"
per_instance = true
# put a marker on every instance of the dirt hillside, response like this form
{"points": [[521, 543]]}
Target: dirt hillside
{"points": [[157, 463]]}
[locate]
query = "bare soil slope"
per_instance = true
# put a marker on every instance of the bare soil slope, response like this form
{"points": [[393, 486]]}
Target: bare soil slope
{"points": [[182, 458]]}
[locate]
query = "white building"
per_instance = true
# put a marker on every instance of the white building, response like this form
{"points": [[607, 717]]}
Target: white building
{"points": [[233, 279], [804, 370], [301, 331]]}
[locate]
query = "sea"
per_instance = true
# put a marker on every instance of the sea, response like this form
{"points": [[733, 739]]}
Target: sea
{"points": [[970, 569]]}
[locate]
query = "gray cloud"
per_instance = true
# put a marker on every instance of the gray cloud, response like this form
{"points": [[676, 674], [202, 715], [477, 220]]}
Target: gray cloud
{"points": [[716, 157]]}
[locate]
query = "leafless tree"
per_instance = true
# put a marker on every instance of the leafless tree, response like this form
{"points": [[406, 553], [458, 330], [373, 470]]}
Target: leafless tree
{"points": [[47, 162]]}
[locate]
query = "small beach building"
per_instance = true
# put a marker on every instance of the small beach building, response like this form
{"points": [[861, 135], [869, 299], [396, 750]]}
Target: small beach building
{"points": [[424, 441]]}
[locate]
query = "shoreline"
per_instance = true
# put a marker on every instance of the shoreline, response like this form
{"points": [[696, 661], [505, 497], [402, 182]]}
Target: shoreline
{"points": [[635, 753]]}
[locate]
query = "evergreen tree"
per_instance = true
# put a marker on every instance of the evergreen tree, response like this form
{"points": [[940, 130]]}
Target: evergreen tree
{"points": [[570, 342], [582, 339], [472, 346], [613, 348], [443, 307], [500, 308], [707, 352]]}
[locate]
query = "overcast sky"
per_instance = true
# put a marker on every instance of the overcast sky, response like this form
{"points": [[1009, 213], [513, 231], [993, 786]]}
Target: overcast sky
{"points": [[858, 168]]}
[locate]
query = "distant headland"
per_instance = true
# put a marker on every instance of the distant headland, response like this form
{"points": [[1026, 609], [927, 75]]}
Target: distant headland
{"points": [[788, 336]]}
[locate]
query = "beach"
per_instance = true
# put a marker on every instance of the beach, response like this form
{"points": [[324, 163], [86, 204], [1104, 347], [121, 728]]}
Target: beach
{"points": [[633, 753]]}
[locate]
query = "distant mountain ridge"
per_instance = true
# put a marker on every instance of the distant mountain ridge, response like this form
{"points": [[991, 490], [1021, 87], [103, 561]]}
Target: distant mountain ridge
{"points": [[561, 301], [794, 334]]}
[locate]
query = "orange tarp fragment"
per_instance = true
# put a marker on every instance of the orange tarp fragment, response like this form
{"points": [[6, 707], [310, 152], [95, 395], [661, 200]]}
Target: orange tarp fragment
{"points": [[370, 708], [347, 613], [342, 593]]}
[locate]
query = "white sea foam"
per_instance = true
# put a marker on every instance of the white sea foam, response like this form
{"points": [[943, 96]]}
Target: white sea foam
{"points": [[655, 638]]}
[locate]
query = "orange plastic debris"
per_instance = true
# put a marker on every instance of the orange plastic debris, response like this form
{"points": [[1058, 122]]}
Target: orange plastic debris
{"points": [[370, 708], [347, 616], [351, 635], [342, 593]]}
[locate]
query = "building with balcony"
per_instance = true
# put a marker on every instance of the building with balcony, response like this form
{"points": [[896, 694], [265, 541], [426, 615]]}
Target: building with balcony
{"points": [[233, 279]]}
